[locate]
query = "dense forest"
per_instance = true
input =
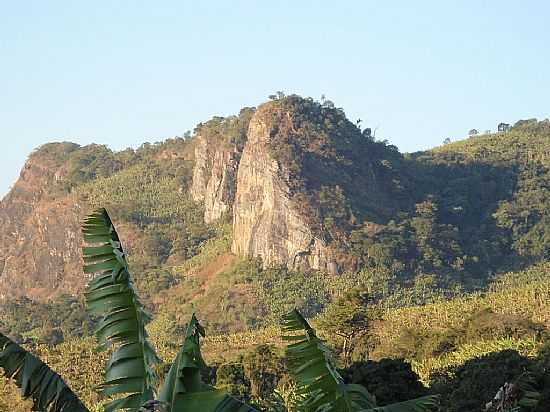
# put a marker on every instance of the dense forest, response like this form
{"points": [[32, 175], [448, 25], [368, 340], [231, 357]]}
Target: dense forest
{"points": [[445, 288]]}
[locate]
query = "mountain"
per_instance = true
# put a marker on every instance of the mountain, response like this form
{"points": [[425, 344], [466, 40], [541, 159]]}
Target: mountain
{"points": [[297, 184], [256, 205], [40, 230]]}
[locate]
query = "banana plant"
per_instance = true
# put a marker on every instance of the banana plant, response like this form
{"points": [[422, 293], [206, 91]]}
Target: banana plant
{"points": [[320, 386], [130, 373], [183, 390], [111, 295]]}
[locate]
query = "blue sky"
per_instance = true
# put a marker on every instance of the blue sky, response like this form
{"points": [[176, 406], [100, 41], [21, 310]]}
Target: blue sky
{"points": [[125, 72]]}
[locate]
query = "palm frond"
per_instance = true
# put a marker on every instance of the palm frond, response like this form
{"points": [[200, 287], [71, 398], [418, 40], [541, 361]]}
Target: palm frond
{"points": [[112, 296], [36, 380], [320, 386], [310, 364], [183, 389]]}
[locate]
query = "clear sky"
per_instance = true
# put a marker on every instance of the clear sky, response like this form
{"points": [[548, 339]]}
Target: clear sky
{"points": [[125, 72]]}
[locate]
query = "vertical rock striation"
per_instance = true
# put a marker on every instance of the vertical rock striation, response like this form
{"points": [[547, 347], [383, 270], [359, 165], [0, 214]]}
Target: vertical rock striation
{"points": [[214, 177], [267, 223]]}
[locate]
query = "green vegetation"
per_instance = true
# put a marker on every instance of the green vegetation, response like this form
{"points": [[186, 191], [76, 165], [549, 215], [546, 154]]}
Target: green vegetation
{"points": [[389, 380], [520, 299], [447, 263], [131, 376], [320, 386], [229, 130], [45, 323]]}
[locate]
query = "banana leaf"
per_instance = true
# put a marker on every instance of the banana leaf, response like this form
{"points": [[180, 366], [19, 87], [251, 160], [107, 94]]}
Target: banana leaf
{"points": [[111, 295], [36, 380], [183, 389]]}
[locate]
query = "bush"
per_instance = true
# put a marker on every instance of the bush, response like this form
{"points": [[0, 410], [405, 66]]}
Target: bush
{"points": [[231, 378], [263, 368], [486, 324], [390, 380], [470, 386], [483, 325]]}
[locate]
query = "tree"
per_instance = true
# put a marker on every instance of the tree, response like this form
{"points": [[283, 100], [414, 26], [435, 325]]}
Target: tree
{"points": [[513, 396], [130, 374], [231, 377], [349, 319], [503, 127], [263, 368], [390, 380], [473, 385]]}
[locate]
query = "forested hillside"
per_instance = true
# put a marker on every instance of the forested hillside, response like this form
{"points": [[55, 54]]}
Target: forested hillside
{"points": [[444, 220], [439, 258]]}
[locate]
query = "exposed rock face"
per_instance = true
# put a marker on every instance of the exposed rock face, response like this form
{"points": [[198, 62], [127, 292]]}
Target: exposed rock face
{"points": [[214, 177], [266, 222], [40, 237], [201, 170], [284, 173]]}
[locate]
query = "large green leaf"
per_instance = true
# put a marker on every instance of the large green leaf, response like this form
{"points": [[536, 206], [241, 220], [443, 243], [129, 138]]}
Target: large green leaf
{"points": [[183, 389], [36, 380], [111, 295], [320, 386]]}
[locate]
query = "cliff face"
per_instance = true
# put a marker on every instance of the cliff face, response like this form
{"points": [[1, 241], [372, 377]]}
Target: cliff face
{"points": [[306, 189], [288, 174], [267, 223], [40, 237], [214, 177]]}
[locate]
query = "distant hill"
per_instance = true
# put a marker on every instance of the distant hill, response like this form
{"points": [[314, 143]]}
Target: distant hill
{"points": [[253, 207]]}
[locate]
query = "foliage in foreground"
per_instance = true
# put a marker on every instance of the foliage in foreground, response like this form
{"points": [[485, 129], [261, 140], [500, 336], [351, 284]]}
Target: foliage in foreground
{"points": [[37, 381], [131, 369], [320, 386], [131, 373]]}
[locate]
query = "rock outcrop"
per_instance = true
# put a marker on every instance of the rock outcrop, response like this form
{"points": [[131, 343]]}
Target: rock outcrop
{"points": [[214, 177], [267, 223], [287, 174], [40, 237]]}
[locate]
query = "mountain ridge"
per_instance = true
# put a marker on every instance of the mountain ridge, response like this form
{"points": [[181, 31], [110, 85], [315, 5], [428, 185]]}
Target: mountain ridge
{"points": [[340, 202]]}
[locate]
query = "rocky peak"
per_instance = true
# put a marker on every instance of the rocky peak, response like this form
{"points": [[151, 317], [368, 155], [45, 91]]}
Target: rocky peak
{"points": [[267, 222], [307, 177], [39, 236]]}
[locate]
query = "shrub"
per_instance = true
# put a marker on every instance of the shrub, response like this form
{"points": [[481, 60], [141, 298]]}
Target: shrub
{"points": [[390, 380]]}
